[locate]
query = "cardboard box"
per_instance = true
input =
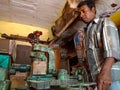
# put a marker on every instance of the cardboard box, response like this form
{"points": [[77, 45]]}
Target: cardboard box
{"points": [[7, 46], [19, 79]]}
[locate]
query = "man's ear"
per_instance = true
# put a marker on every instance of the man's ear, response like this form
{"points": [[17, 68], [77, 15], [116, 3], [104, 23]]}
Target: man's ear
{"points": [[93, 9]]}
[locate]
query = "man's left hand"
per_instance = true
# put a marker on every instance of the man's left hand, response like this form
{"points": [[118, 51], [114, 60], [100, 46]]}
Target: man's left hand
{"points": [[104, 79]]}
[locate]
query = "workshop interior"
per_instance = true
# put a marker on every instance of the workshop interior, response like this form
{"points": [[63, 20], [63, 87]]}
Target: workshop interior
{"points": [[39, 45]]}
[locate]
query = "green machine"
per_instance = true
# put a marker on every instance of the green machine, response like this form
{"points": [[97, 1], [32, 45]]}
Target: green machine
{"points": [[51, 77], [5, 61]]}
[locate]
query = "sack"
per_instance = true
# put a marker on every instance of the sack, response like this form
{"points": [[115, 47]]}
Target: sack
{"points": [[115, 71], [3, 74], [5, 85]]}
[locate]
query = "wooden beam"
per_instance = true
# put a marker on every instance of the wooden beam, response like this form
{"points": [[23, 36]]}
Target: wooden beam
{"points": [[21, 38], [67, 25], [63, 29]]}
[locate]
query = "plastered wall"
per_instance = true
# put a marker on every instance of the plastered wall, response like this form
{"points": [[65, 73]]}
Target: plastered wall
{"points": [[22, 30]]}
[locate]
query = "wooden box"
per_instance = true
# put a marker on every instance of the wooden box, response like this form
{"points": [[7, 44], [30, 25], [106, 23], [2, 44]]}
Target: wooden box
{"points": [[39, 67]]}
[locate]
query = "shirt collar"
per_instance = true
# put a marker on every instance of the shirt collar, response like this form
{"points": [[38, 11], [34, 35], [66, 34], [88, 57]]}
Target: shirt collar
{"points": [[96, 20]]}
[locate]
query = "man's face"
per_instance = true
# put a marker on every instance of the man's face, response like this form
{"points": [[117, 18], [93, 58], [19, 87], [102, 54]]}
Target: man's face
{"points": [[86, 14]]}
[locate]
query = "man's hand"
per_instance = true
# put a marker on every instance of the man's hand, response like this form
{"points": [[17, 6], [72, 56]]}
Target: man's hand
{"points": [[73, 70], [104, 79]]}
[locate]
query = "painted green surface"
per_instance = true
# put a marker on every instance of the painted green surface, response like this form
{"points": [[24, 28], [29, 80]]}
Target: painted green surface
{"points": [[4, 61]]}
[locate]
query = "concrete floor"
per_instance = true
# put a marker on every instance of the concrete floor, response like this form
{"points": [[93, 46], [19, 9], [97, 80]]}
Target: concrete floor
{"points": [[49, 89]]}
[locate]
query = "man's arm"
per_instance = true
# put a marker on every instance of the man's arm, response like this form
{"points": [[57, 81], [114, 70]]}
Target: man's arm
{"points": [[104, 78], [111, 44]]}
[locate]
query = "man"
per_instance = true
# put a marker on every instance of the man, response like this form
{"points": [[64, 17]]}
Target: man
{"points": [[101, 44]]}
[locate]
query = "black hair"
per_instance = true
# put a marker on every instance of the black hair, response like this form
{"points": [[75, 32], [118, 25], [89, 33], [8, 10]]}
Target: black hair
{"points": [[89, 3]]}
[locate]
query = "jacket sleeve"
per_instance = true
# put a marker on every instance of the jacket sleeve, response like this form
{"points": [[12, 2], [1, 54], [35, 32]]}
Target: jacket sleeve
{"points": [[111, 41]]}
